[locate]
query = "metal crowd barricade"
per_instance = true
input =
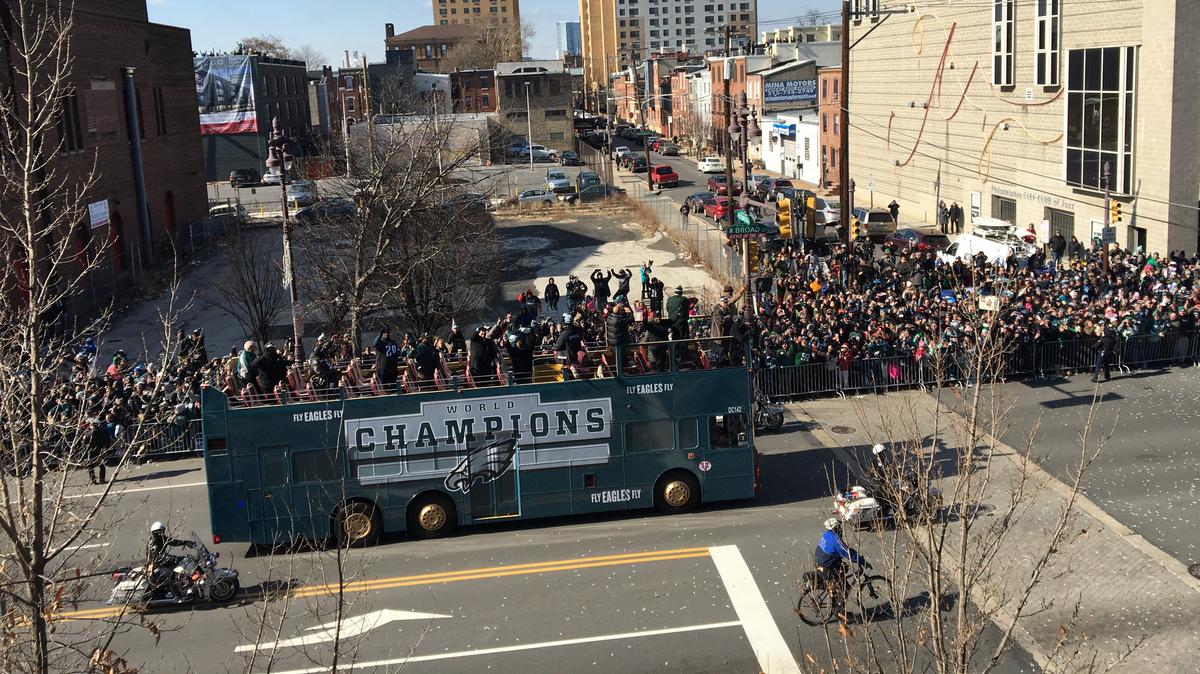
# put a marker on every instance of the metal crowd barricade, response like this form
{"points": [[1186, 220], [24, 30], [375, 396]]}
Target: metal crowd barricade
{"points": [[1074, 355], [162, 439]]}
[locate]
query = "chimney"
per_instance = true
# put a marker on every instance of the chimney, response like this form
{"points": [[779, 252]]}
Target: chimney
{"points": [[346, 59], [389, 29]]}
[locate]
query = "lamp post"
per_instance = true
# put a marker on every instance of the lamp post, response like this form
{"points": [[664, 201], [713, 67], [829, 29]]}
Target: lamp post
{"points": [[280, 161], [743, 125], [529, 125], [437, 131]]}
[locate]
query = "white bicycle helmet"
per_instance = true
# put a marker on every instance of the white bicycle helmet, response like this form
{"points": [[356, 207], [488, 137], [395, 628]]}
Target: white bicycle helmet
{"points": [[832, 523], [877, 449], [157, 526]]}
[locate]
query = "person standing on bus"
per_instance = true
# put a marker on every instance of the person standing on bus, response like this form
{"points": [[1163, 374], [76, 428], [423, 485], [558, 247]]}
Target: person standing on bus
{"points": [[623, 276], [482, 353], [600, 283], [387, 352], [519, 346], [676, 305], [654, 293]]}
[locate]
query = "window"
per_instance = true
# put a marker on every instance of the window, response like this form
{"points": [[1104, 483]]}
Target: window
{"points": [[689, 433], [646, 436], [835, 89], [833, 157], [350, 104], [349, 82], [1048, 52], [517, 114], [1004, 209], [552, 114], [484, 102], [70, 131], [557, 135], [428, 51], [319, 466], [160, 113], [1003, 27], [727, 430], [444, 49], [837, 124], [824, 88], [824, 122], [1100, 113]]}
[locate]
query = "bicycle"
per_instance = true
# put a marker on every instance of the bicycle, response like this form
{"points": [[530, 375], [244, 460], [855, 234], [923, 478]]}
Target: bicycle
{"points": [[818, 604]]}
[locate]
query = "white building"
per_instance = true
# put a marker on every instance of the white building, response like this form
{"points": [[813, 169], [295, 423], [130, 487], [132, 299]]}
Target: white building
{"points": [[790, 144]]}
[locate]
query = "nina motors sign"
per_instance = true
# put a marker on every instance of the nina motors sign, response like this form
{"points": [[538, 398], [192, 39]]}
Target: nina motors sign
{"points": [[789, 91]]}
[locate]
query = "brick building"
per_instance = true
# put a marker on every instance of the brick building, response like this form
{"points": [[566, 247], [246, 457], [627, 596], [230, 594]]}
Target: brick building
{"points": [[830, 105], [94, 130], [431, 45], [548, 107], [1030, 102], [473, 90], [476, 13]]}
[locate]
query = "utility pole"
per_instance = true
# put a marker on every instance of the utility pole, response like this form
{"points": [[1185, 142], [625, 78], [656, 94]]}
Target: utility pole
{"points": [[529, 125], [370, 118], [1107, 214], [637, 98], [844, 136], [729, 119]]}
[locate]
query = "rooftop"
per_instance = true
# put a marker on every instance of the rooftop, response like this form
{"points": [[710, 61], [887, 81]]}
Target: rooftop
{"points": [[431, 32]]}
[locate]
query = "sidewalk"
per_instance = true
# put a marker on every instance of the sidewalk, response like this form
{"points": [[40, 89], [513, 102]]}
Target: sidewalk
{"points": [[1127, 589]]}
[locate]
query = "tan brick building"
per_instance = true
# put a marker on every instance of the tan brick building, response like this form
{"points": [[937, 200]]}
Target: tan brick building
{"points": [[476, 12], [829, 104], [1013, 109]]}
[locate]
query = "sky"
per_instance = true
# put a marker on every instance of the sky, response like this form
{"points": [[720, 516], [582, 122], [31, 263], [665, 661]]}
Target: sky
{"points": [[357, 25]]}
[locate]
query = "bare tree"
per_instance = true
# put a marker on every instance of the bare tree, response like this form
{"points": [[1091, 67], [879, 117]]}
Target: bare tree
{"points": [[266, 45], [313, 57], [812, 17], [946, 559], [410, 230], [249, 290], [47, 425], [492, 44]]}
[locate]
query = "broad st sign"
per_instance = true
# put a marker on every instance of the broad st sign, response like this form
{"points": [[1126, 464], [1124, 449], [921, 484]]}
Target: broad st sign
{"points": [[789, 91]]}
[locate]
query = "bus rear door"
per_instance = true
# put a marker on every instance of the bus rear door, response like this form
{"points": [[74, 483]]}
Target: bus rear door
{"points": [[495, 482], [270, 503]]}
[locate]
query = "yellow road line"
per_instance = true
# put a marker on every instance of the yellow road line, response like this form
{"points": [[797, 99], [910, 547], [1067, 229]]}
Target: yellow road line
{"points": [[445, 577]]}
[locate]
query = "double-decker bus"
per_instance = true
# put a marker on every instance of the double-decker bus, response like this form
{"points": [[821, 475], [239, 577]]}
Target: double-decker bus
{"points": [[356, 466]]}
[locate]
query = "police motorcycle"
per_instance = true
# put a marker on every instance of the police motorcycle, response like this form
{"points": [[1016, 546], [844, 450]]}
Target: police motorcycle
{"points": [[891, 490], [768, 415], [194, 578]]}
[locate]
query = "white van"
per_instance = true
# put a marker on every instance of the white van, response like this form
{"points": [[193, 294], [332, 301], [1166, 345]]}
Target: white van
{"points": [[967, 246]]}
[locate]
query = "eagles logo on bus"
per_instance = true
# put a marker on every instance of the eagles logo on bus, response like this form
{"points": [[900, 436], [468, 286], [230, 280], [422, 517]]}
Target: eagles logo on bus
{"points": [[483, 465]]}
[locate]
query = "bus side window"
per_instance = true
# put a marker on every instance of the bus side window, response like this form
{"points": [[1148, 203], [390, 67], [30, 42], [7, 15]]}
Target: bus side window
{"points": [[689, 433], [646, 436], [727, 430], [318, 466]]}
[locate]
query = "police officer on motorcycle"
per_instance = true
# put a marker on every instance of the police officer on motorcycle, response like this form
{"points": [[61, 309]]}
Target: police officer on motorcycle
{"points": [[160, 562]]}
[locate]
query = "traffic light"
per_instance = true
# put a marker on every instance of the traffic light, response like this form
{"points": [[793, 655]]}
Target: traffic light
{"points": [[853, 228], [1114, 210], [810, 217], [752, 251], [783, 217]]}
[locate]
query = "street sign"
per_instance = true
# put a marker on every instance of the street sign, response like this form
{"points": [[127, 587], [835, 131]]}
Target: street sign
{"points": [[749, 230], [743, 218], [351, 627], [1108, 235]]}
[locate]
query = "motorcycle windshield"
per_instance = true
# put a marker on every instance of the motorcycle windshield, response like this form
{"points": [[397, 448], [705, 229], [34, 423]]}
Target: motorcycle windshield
{"points": [[197, 551]]}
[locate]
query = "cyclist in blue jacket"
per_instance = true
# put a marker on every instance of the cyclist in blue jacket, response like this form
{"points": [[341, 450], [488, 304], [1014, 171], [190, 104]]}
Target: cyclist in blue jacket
{"points": [[832, 554]]}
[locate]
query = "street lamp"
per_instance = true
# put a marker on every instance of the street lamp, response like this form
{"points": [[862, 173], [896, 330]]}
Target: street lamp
{"points": [[437, 131], [529, 125], [279, 160]]}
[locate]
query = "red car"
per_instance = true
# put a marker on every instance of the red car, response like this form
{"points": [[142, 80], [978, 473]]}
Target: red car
{"points": [[664, 176], [716, 185], [718, 209], [915, 239]]}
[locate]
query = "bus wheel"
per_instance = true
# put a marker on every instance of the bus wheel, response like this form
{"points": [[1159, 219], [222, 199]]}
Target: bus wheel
{"points": [[676, 492], [359, 525], [431, 516]]}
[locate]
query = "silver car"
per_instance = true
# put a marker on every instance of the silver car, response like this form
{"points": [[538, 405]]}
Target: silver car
{"points": [[558, 182]]}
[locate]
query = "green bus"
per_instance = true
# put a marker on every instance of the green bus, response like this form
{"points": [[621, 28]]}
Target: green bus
{"points": [[354, 467]]}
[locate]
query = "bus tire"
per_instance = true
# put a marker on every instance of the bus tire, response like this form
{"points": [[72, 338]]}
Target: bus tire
{"points": [[358, 524], [431, 515], [677, 491]]}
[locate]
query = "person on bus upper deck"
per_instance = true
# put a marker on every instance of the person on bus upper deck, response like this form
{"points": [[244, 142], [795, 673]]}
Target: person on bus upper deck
{"points": [[425, 358], [623, 276], [482, 351], [600, 283], [676, 304], [387, 354], [519, 346], [551, 295]]}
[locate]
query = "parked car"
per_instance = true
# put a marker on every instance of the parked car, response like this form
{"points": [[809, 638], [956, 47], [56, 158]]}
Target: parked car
{"points": [[875, 223], [516, 148], [237, 212], [757, 180], [539, 152], [467, 201], [649, 141], [664, 176], [710, 165], [270, 178], [326, 210], [915, 239], [593, 193], [967, 246], [301, 193], [718, 210], [717, 185], [698, 200], [247, 176], [557, 181], [535, 197], [620, 152], [569, 159], [586, 179], [668, 150], [638, 164], [772, 186]]}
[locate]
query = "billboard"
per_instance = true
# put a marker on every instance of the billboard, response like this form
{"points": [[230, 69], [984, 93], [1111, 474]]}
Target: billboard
{"points": [[225, 93], [789, 91]]}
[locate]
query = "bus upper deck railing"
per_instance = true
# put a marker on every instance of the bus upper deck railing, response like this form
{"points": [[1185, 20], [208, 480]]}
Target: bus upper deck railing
{"points": [[454, 374]]}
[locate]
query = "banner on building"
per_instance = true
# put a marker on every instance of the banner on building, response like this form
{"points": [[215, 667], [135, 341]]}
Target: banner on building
{"points": [[225, 92], [789, 91], [98, 214]]}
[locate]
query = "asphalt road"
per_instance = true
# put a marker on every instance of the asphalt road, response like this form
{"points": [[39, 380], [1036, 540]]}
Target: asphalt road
{"points": [[1146, 475], [711, 591]]}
